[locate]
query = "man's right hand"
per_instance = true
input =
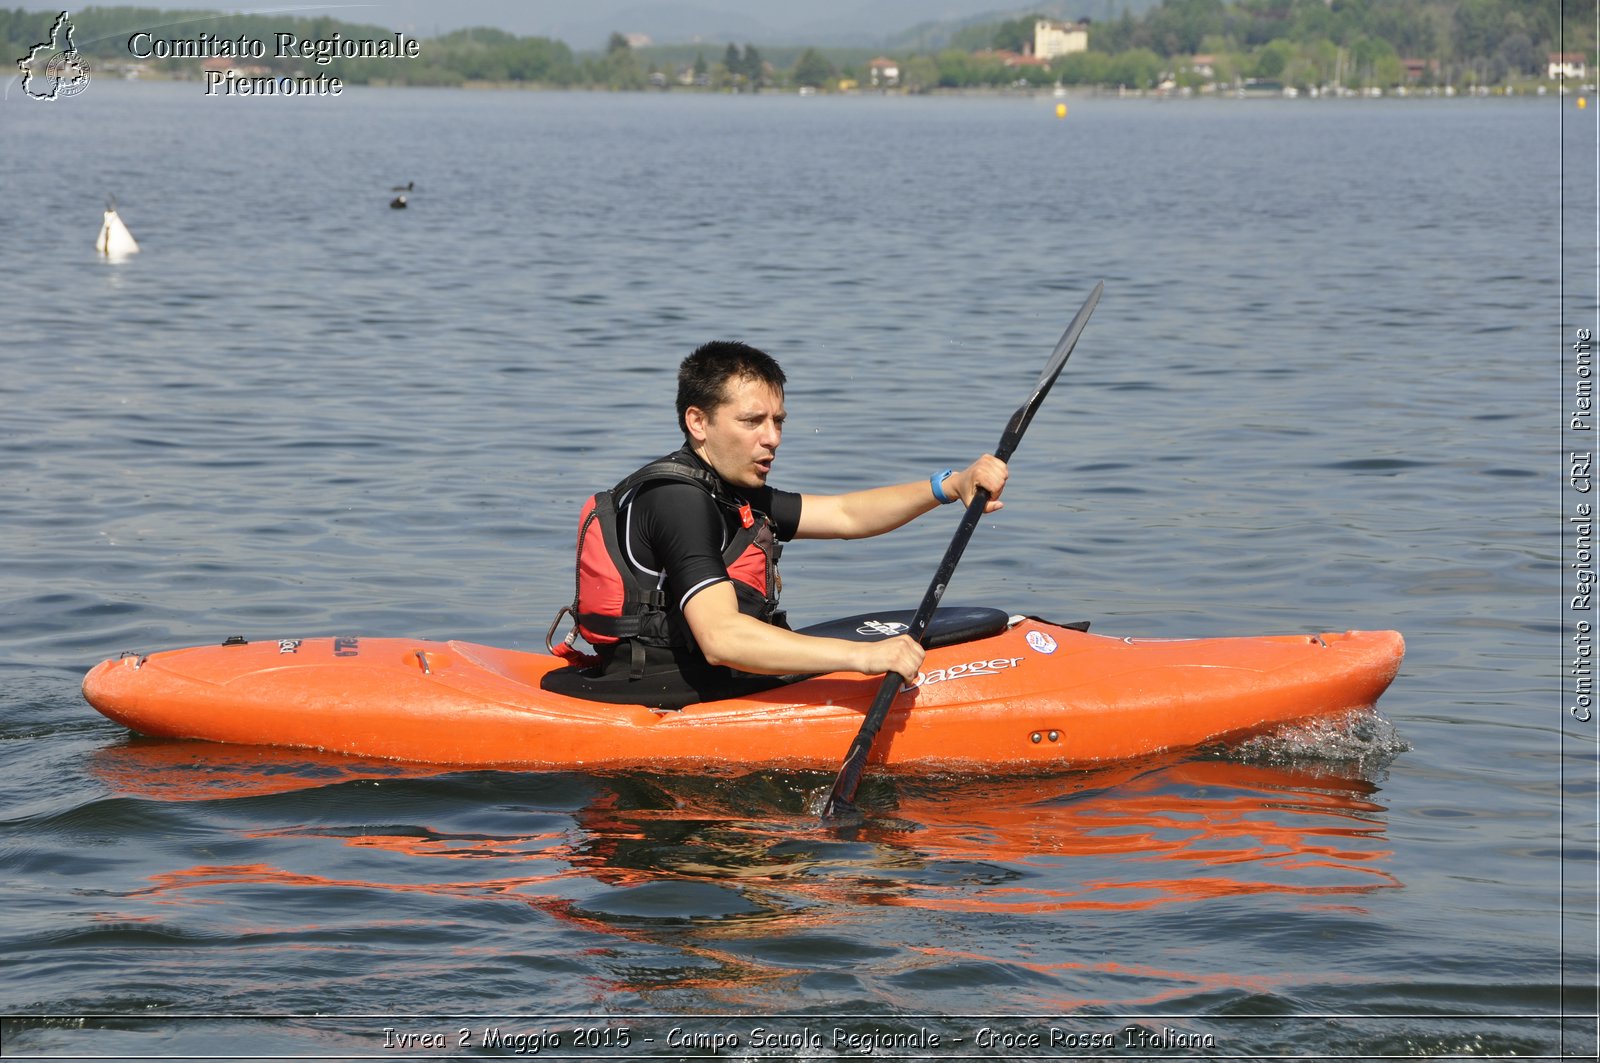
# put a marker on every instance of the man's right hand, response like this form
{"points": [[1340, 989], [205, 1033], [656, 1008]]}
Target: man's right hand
{"points": [[901, 655]]}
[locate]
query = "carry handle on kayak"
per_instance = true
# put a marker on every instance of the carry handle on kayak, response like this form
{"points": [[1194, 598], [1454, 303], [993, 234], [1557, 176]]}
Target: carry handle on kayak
{"points": [[840, 803]]}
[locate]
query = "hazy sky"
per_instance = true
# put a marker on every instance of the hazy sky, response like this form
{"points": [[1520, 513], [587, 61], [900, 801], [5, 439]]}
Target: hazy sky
{"points": [[585, 24]]}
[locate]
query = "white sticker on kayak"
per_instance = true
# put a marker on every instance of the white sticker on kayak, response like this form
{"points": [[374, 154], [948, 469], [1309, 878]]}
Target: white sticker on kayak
{"points": [[882, 627], [1041, 642], [288, 645], [962, 671]]}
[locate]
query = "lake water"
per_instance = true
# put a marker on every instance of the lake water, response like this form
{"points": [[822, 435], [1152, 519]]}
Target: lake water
{"points": [[1324, 390]]}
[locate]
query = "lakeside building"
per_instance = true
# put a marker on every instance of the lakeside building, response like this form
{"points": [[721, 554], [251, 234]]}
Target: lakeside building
{"points": [[1567, 65], [1419, 70], [1052, 38], [1010, 59]]}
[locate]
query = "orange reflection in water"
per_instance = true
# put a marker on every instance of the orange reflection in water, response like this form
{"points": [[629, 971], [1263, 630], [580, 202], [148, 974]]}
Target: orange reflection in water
{"points": [[158, 769], [1204, 829], [625, 860], [208, 875]]}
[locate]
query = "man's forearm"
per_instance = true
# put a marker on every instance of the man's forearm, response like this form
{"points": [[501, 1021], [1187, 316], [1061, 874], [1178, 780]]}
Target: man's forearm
{"points": [[729, 638]]}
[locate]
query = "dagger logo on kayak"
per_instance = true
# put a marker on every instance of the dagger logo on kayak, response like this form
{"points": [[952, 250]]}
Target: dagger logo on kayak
{"points": [[962, 671], [882, 627], [346, 646], [288, 645]]}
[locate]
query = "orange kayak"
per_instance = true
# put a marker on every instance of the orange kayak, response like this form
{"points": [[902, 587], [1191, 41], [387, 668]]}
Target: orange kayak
{"points": [[1031, 696]]}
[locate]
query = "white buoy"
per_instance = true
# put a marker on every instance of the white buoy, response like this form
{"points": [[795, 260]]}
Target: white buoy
{"points": [[115, 240]]}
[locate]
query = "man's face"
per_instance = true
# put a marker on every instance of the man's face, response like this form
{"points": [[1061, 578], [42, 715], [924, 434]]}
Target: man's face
{"points": [[739, 439]]}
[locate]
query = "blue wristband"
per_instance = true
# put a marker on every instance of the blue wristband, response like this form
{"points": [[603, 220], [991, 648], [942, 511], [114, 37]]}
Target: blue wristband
{"points": [[936, 481]]}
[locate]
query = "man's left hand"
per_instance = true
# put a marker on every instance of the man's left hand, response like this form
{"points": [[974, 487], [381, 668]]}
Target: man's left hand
{"points": [[987, 472]]}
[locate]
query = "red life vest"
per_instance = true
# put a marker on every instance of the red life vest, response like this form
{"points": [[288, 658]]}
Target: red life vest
{"points": [[615, 603]]}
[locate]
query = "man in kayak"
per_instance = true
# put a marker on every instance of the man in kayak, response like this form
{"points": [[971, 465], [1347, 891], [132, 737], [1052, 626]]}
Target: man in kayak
{"points": [[699, 534]]}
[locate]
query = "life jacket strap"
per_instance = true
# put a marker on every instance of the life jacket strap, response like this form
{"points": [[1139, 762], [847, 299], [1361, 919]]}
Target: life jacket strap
{"points": [[567, 649]]}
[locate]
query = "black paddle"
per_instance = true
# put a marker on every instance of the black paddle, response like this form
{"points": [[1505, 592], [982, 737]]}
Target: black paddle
{"points": [[840, 801]]}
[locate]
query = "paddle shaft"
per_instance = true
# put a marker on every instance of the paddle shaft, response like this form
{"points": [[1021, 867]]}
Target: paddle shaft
{"points": [[855, 761]]}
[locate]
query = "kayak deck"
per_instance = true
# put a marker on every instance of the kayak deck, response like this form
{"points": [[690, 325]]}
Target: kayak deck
{"points": [[1035, 696]]}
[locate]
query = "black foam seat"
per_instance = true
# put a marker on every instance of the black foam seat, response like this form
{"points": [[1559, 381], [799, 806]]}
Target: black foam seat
{"points": [[666, 687], [950, 625]]}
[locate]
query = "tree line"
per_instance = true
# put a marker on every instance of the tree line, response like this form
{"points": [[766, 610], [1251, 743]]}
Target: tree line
{"points": [[1355, 43]]}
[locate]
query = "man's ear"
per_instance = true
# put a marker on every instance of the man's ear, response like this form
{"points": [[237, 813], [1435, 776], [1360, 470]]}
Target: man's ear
{"points": [[695, 420]]}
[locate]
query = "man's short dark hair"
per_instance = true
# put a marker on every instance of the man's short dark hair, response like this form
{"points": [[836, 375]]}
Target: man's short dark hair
{"points": [[704, 375]]}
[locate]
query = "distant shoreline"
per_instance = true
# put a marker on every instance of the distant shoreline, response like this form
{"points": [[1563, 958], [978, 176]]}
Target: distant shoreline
{"points": [[1066, 94]]}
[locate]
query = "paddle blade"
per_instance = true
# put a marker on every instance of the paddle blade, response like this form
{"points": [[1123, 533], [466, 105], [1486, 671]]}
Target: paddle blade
{"points": [[840, 804], [1052, 369]]}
